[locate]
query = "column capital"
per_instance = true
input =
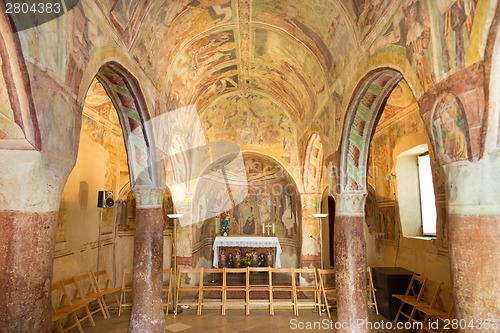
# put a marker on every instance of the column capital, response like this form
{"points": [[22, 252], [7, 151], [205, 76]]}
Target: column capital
{"points": [[350, 204], [148, 197]]}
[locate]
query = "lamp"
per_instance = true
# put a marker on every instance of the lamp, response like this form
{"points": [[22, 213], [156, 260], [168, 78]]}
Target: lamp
{"points": [[319, 216], [174, 309]]}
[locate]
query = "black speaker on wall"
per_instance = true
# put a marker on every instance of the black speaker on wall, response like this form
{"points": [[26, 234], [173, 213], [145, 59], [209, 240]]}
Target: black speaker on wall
{"points": [[105, 199]]}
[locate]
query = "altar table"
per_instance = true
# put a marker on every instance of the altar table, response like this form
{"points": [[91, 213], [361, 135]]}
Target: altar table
{"points": [[243, 241]]}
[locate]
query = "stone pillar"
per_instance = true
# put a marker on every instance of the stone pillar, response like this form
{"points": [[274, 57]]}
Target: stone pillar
{"points": [[350, 262], [147, 311], [473, 234], [26, 256]]}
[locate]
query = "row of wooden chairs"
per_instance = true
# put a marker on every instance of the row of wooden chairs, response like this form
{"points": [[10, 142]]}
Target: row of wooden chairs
{"points": [[193, 284], [77, 299], [426, 300]]}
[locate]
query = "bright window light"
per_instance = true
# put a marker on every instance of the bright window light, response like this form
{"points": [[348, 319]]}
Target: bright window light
{"points": [[427, 199]]}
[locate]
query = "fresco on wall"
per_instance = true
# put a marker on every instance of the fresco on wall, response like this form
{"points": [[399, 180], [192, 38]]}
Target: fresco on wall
{"points": [[450, 130], [313, 164], [410, 31], [258, 120], [454, 23], [273, 198], [18, 125]]}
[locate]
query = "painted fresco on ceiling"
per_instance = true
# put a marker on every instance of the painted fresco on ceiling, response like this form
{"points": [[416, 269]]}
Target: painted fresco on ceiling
{"points": [[127, 17], [319, 25], [203, 61], [329, 120], [173, 27], [273, 198], [250, 120], [288, 69]]}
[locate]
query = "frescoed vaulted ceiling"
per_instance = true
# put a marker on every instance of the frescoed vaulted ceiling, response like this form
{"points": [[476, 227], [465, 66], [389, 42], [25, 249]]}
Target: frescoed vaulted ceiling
{"points": [[259, 72]]}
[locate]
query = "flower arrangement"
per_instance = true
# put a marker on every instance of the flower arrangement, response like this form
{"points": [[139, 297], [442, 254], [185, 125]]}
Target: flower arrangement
{"points": [[246, 260]]}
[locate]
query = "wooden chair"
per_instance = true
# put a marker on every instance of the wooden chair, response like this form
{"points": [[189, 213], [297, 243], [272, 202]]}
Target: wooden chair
{"points": [[283, 281], [189, 284], [327, 287], [166, 289], [372, 297], [69, 305], [215, 286], [63, 309], [105, 286], [441, 308], [85, 288], [306, 281], [235, 282], [413, 295], [259, 280], [125, 291]]}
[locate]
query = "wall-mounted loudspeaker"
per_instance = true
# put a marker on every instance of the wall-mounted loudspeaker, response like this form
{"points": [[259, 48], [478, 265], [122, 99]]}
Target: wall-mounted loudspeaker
{"points": [[105, 199]]}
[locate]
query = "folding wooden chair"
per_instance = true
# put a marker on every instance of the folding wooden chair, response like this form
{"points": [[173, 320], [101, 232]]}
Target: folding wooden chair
{"points": [[441, 308], [213, 282], [328, 288], [166, 289], [306, 282], [259, 280], [125, 291], [283, 281], [189, 283], [372, 297], [413, 295], [63, 309], [235, 283], [71, 303], [85, 288], [105, 287]]}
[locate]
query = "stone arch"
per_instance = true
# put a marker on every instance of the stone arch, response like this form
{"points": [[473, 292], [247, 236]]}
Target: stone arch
{"points": [[361, 118], [125, 93]]}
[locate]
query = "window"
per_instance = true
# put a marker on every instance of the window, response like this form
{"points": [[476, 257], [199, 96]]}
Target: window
{"points": [[415, 192], [427, 198]]}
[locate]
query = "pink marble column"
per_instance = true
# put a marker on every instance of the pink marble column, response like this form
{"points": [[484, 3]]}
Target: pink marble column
{"points": [[26, 257], [350, 262], [475, 267], [147, 311]]}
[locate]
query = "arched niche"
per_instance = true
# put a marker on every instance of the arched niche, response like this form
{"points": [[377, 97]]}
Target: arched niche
{"points": [[272, 196]]}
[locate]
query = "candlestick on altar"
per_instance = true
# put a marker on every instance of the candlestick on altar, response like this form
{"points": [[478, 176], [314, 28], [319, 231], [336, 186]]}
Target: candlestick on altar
{"points": [[263, 229], [268, 231], [274, 229]]}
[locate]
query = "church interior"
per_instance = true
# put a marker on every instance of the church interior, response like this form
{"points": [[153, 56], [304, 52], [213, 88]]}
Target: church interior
{"points": [[136, 134]]}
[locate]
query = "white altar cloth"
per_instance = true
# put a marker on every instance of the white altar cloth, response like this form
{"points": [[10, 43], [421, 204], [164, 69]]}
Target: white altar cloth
{"points": [[242, 241]]}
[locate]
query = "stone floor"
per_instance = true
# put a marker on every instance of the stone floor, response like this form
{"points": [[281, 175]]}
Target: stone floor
{"points": [[235, 321]]}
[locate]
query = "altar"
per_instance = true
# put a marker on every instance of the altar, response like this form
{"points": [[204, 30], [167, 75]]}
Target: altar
{"points": [[238, 243]]}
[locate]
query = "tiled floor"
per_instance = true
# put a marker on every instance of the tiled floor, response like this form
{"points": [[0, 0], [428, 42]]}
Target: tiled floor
{"points": [[235, 321]]}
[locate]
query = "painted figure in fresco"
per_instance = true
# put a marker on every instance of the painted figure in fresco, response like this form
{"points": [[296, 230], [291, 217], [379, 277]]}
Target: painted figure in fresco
{"points": [[238, 257], [230, 261], [222, 261], [451, 138], [249, 227], [456, 14], [409, 29]]}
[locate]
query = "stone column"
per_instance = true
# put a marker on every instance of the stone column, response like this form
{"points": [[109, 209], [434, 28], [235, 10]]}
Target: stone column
{"points": [[26, 256], [350, 262], [473, 234], [147, 311]]}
